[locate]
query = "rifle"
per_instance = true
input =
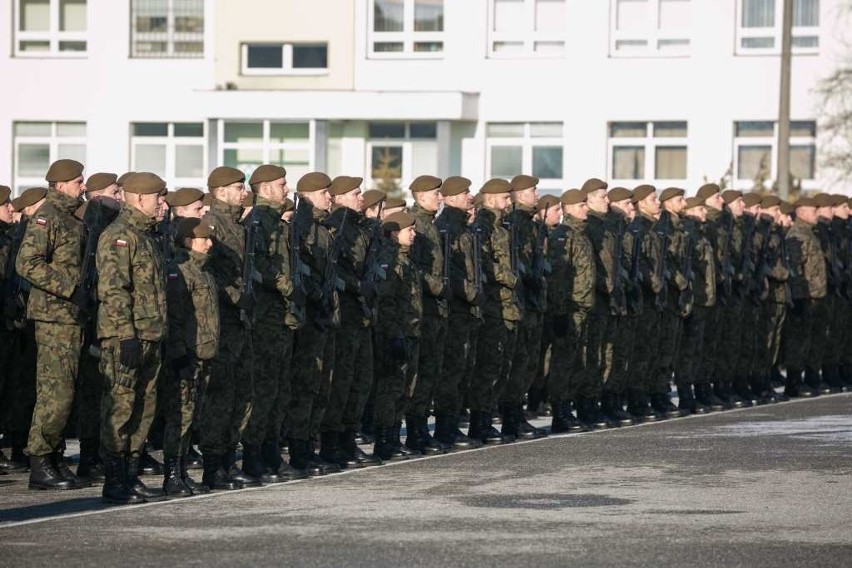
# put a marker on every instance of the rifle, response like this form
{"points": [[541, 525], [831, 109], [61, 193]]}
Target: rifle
{"points": [[15, 288], [166, 233], [747, 266], [478, 278], [686, 296], [373, 271], [445, 269], [727, 267], [329, 283], [514, 254], [635, 276], [662, 228], [835, 267], [252, 224], [785, 261], [617, 300], [100, 212], [298, 269], [764, 263], [541, 266]]}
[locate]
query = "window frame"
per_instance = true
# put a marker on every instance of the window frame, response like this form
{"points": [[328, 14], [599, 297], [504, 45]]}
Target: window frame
{"points": [[265, 145], [652, 38], [527, 143], [408, 37], [650, 143], [529, 37], [52, 141], [406, 143], [53, 36], [772, 142], [171, 143], [774, 32], [152, 37], [286, 68]]}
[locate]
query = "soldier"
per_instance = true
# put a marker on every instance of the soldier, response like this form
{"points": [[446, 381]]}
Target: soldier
{"points": [[131, 325], [809, 287], [821, 355], [843, 229], [464, 303], [193, 316], [528, 245], [400, 311], [427, 253], [226, 406], [50, 258], [186, 203], [278, 301], [8, 338], [570, 298]]}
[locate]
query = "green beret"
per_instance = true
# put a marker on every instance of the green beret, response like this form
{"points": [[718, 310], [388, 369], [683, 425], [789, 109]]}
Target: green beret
{"points": [[692, 202], [398, 221], [593, 184], [394, 202], [99, 181], [752, 198], [455, 185], [670, 192], [224, 175], [769, 201], [289, 205], [787, 208], [617, 194], [805, 202], [640, 192], [5, 192], [184, 196], [425, 183], [314, 181], [64, 170], [144, 183], [573, 196], [29, 197], [267, 172], [373, 197], [123, 178], [731, 195], [708, 190], [192, 228], [522, 182], [546, 201], [823, 200], [495, 186], [344, 184]]}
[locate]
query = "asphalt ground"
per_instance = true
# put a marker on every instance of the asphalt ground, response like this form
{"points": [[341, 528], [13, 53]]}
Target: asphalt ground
{"points": [[766, 486]]}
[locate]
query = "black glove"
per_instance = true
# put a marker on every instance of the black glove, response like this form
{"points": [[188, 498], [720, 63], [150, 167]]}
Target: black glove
{"points": [[561, 325], [246, 303], [79, 298], [367, 290], [398, 350], [802, 307], [130, 353]]}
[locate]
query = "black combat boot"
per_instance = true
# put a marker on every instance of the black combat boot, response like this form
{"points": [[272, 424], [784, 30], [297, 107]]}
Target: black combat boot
{"points": [[255, 466], [563, 422], [831, 377], [384, 445], [814, 380], [58, 460], [90, 466], [589, 414], [236, 474], [300, 457], [509, 426], [136, 485], [527, 431], [350, 448], [725, 391], [663, 405], [706, 396], [215, 475], [742, 388], [148, 465], [794, 386], [173, 484], [18, 461], [417, 436], [43, 475], [331, 452], [396, 435], [116, 488], [613, 410], [535, 401], [686, 402], [271, 453], [640, 407], [196, 488], [315, 458], [482, 430]]}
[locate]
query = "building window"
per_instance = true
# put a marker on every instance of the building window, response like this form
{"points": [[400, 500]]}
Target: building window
{"points": [[167, 29], [247, 144], [759, 24], [513, 148], [399, 151], [756, 154], [50, 28], [406, 28], [177, 151], [647, 151], [650, 27], [527, 28], [38, 144], [284, 58]]}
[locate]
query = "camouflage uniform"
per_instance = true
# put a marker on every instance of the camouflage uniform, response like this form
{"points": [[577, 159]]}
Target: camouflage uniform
{"points": [[50, 258], [827, 356], [618, 343], [774, 293], [132, 292], [716, 231]]}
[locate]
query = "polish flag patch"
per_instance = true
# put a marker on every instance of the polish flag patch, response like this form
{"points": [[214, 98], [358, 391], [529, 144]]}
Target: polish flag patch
{"points": [[41, 221], [172, 276], [121, 243]]}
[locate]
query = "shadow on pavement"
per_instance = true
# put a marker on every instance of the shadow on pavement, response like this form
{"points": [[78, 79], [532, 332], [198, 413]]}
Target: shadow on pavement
{"points": [[52, 509]]}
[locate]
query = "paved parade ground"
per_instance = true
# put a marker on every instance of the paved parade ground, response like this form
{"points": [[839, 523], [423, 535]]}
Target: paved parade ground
{"points": [[768, 486]]}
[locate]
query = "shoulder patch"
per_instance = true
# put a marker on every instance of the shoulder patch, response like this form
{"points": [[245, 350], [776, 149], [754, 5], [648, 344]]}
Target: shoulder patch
{"points": [[41, 221], [120, 243], [172, 276]]}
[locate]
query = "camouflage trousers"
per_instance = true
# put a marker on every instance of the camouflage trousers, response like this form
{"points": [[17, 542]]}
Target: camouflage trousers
{"points": [[801, 332], [308, 350], [837, 311], [90, 389], [646, 348], [524, 364], [19, 393], [129, 400], [712, 345], [226, 406], [621, 336], [821, 317], [433, 335], [58, 357], [394, 387], [458, 359], [352, 378], [495, 344], [272, 351], [663, 365], [688, 369], [598, 366], [770, 326], [731, 329], [539, 384], [568, 361], [326, 378], [750, 345], [178, 395]]}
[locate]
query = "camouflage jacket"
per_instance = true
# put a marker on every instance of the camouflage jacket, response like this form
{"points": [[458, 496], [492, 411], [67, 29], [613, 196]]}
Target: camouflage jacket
{"points": [[571, 285], [649, 254], [350, 263], [830, 240], [193, 308], [428, 255], [6, 231], [272, 262], [773, 274], [50, 258], [717, 228], [131, 279], [226, 256], [315, 242], [453, 222], [602, 236], [703, 263], [632, 288], [533, 281], [500, 301], [400, 294], [808, 269]]}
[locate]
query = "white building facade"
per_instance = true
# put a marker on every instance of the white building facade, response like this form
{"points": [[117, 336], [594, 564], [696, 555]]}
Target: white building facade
{"points": [[669, 92]]}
